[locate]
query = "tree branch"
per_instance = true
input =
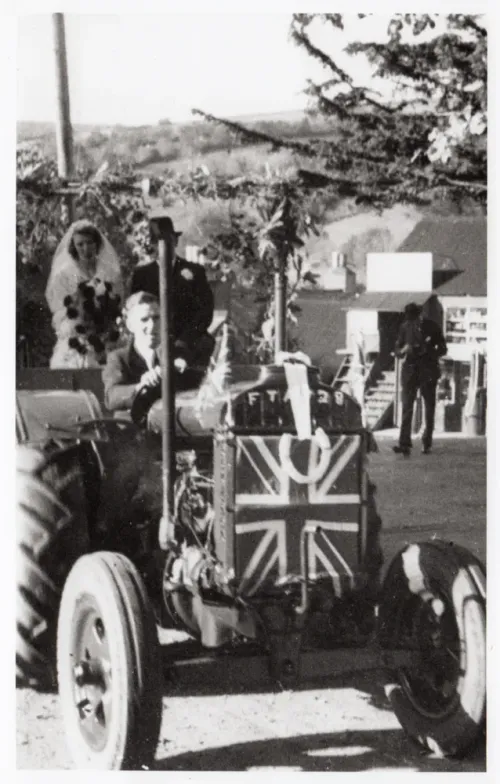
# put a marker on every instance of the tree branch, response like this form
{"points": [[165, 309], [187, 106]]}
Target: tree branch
{"points": [[478, 186], [251, 134], [301, 39], [470, 21]]}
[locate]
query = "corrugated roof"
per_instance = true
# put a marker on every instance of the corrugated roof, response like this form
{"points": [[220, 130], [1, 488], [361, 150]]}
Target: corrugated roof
{"points": [[462, 242], [391, 301]]}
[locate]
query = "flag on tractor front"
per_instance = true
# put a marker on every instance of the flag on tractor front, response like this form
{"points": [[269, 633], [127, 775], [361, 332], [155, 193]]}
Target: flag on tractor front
{"points": [[274, 512]]}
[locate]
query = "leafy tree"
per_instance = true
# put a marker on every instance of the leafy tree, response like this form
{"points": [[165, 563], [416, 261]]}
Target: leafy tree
{"points": [[263, 231], [423, 136]]}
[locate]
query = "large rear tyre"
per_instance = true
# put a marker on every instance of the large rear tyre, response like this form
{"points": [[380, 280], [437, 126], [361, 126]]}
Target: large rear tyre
{"points": [[108, 665], [51, 534], [434, 601]]}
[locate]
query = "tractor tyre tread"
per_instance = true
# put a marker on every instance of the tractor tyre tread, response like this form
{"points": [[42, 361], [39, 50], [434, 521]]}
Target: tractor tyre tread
{"points": [[43, 519]]}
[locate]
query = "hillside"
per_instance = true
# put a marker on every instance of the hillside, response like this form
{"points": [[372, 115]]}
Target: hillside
{"points": [[167, 142], [33, 128]]}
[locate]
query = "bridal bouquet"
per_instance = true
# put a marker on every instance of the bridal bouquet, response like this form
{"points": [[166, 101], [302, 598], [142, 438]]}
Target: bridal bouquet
{"points": [[92, 318]]}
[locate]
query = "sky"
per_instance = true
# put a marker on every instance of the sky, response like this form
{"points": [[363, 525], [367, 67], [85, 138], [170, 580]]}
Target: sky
{"points": [[139, 68]]}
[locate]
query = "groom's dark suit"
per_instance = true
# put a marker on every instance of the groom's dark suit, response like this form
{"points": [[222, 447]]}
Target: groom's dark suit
{"points": [[193, 306]]}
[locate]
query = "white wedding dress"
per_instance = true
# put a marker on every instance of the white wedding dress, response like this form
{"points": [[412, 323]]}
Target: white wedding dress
{"points": [[64, 279]]}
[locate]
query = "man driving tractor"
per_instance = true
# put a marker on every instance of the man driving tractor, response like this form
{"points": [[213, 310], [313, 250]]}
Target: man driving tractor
{"points": [[137, 365]]}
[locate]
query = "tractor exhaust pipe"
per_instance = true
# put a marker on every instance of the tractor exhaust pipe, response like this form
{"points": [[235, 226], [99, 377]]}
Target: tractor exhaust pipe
{"points": [[163, 231]]}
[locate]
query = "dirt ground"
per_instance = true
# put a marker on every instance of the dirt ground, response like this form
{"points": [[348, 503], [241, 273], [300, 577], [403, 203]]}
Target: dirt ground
{"points": [[344, 725]]}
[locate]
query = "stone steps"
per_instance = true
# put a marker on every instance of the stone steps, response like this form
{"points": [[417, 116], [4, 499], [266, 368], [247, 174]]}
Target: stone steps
{"points": [[379, 398]]}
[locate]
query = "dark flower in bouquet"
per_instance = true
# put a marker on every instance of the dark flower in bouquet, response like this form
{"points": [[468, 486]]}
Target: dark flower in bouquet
{"points": [[94, 312]]}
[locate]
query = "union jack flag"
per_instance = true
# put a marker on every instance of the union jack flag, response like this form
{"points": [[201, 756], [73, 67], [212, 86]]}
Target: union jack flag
{"points": [[273, 512]]}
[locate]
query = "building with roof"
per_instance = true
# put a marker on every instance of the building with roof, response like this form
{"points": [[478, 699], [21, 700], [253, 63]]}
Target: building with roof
{"points": [[442, 266], [459, 254]]}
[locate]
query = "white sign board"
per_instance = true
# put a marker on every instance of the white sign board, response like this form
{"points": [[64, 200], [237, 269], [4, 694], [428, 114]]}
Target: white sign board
{"points": [[399, 271]]}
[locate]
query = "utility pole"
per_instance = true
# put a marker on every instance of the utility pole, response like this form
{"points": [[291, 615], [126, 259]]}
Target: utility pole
{"points": [[64, 133]]}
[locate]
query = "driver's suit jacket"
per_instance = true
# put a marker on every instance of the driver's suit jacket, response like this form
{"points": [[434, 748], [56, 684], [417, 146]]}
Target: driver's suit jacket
{"points": [[121, 374]]}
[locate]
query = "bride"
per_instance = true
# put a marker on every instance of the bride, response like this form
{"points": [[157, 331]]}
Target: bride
{"points": [[84, 293]]}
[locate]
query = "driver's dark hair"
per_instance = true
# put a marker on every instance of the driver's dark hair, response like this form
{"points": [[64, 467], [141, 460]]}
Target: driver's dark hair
{"points": [[139, 298]]}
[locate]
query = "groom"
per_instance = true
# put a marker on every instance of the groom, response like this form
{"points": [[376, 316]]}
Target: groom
{"points": [[193, 303]]}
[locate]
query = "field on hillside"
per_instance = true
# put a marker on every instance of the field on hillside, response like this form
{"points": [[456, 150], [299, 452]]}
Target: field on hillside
{"points": [[166, 143]]}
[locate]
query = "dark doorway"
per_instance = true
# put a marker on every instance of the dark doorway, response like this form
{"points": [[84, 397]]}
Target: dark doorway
{"points": [[388, 327]]}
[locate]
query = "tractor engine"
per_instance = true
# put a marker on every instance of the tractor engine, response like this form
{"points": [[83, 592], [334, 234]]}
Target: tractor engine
{"points": [[193, 577], [193, 499]]}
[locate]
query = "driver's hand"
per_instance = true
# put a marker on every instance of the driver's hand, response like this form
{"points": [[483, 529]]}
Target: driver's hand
{"points": [[180, 364], [403, 351], [151, 378]]}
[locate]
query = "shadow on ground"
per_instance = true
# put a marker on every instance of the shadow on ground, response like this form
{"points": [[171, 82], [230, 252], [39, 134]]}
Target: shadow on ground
{"points": [[341, 751], [349, 751], [231, 672]]}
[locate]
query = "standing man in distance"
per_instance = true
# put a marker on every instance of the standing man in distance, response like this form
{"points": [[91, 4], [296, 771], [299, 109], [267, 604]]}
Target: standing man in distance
{"points": [[420, 343], [193, 305]]}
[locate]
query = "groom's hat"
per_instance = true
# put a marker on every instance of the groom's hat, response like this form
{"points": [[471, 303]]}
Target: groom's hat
{"points": [[167, 222]]}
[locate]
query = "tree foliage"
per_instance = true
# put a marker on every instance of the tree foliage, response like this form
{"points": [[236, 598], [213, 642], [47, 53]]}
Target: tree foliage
{"points": [[422, 136], [426, 132]]}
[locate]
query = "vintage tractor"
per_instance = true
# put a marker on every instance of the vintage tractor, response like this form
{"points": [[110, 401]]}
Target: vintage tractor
{"points": [[243, 514]]}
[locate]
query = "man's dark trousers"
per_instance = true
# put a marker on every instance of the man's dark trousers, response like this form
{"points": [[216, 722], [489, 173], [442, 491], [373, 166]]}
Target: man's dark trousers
{"points": [[415, 376]]}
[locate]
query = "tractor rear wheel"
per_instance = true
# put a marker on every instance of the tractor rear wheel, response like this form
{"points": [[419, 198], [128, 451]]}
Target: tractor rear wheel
{"points": [[109, 673], [52, 533], [434, 602]]}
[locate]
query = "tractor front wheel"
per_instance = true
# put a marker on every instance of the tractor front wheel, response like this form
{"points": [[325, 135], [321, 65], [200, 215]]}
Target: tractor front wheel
{"points": [[108, 665]]}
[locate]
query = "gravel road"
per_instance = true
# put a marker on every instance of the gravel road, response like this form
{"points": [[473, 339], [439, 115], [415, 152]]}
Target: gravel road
{"points": [[347, 726]]}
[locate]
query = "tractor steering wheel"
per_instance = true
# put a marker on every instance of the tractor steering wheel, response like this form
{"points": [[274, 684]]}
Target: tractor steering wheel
{"points": [[142, 403]]}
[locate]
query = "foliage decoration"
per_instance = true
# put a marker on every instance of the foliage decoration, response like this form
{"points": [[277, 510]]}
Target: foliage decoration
{"points": [[270, 215]]}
